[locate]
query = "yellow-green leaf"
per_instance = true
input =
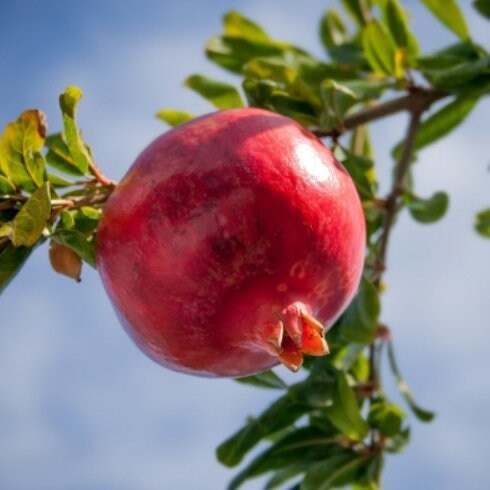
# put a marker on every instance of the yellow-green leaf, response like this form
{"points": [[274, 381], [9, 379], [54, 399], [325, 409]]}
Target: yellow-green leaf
{"points": [[482, 223], [173, 117], [344, 411], [380, 49], [221, 95], [449, 13], [20, 150], [237, 25], [71, 134], [30, 221], [6, 187]]}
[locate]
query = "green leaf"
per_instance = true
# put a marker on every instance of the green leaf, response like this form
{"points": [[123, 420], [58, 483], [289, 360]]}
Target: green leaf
{"points": [[57, 181], [301, 398], [78, 150], [456, 77], [267, 379], [451, 56], [173, 117], [30, 221], [337, 99], [483, 6], [282, 413], [337, 470], [274, 68], [360, 320], [344, 412], [6, 187], [303, 446], [84, 246], [398, 442], [440, 123], [268, 95], [332, 29], [397, 21], [386, 417], [221, 95], [233, 53], [482, 223], [285, 475], [11, 261], [420, 413], [20, 147], [448, 12], [362, 171], [237, 25], [358, 10], [59, 156], [427, 210], [379, 48]]}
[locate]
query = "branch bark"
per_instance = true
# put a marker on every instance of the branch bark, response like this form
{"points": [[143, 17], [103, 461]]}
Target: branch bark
{"points": [[416, 101]]}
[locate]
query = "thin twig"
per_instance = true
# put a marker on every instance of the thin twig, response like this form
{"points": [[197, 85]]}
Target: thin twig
{"points": [[411, 102], [101, 178], [401, 170]]}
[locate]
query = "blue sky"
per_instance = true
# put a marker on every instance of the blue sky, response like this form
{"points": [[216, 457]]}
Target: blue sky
{"points": [[80, 406]]}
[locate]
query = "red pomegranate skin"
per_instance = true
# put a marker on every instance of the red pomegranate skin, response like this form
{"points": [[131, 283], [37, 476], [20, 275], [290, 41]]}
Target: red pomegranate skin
{"points": [[219, 226]]}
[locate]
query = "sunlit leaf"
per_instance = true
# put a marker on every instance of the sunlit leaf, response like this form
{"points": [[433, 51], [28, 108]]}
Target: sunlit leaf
{"points": [[6, 187], [358, 9], [449, 13], [59, 156], [173, 117], [333, 31], [237, 25], [79, 153], [379, 48], [21, 160], [32, 218], [221, 95]]}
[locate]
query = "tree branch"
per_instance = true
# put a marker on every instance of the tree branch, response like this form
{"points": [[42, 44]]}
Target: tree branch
{"points": [[397, 188], [418, 100]]}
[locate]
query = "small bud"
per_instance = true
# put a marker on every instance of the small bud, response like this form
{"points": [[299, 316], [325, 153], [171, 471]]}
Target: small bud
{"points": [[65, 261]]}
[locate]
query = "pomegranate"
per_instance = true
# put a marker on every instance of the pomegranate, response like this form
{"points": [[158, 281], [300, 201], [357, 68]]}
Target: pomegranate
{"points": [[231, 244]]}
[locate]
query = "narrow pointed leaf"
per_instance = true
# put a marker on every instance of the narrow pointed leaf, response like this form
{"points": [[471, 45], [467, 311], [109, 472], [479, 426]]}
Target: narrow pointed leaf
{"points": [[221, 95], [420, 413], [441, 123], [237, 25], [344, 412], [449, 13], [379, 48], [173, 117], [338, 470], [79, 153], [333, 31], [267, 379]]}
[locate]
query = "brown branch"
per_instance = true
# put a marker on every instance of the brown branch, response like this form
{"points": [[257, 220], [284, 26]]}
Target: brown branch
{"points": [[401, 170], [99, 176], [415, 101]]}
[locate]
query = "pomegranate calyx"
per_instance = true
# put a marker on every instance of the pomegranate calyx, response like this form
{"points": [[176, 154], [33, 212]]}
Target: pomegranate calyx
{"points": [[297, 334]]}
